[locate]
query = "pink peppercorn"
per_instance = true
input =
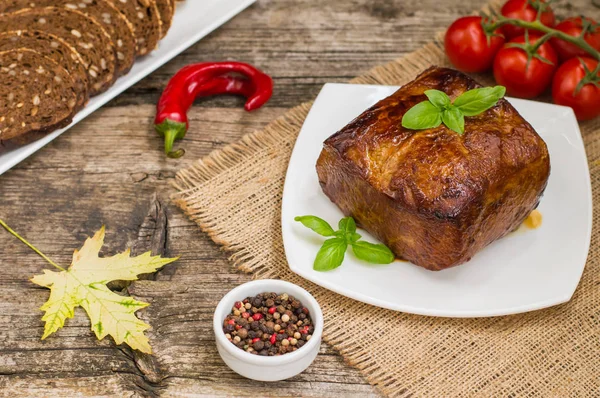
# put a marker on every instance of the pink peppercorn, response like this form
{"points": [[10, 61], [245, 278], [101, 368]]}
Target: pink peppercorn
{"points": [[272, 310], [245, 315], [257, 317], [254, 340], [273, 338], [231, 322], [238, 304]]}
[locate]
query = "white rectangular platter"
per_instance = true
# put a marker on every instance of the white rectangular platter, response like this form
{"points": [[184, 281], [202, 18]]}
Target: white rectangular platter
{"points": [[193, 20]]}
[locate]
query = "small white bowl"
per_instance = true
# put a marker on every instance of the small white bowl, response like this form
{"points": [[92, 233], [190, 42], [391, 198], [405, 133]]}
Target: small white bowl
{"points": [[275, 367]]}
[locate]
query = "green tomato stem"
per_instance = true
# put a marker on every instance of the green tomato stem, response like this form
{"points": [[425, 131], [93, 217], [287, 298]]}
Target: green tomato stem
{"points": [[16, 235], [579, 41]]}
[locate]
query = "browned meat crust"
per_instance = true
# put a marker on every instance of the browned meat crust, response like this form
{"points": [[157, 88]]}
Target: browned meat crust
{"points": [[435, 197]]}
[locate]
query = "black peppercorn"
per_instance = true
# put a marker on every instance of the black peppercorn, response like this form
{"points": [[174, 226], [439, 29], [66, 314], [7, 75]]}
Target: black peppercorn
{"points": [[259, 345], [228, 328]]}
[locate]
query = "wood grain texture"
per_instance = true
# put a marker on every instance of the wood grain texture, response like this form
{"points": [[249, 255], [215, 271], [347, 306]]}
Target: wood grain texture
{"points": [[110, 170]]}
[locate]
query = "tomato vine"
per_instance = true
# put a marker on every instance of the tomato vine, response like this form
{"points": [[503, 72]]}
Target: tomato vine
{"points": [[492, 24]]}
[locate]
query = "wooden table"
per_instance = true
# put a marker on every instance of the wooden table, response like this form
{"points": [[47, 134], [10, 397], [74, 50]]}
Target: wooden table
{"points": [[110, 170]]}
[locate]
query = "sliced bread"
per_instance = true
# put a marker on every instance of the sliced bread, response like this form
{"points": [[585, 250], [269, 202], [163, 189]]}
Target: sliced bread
{"points": [[37, 94], [165, 11], [88, 37], [144, 16], [54, 48], [101, 11]]}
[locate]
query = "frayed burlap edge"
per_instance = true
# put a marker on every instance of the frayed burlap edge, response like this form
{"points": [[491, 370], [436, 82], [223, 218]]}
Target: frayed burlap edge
{"points": [[234, 195]]}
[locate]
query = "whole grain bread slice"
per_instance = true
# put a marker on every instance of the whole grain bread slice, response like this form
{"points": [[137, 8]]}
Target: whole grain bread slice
{"points": [[102, 11], [88, 37], [145, 18], [166, 10], [54, 48], [37, 95]]}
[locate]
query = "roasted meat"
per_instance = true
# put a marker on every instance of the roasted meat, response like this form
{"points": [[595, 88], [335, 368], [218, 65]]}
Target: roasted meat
{"points": [[435, 197]]}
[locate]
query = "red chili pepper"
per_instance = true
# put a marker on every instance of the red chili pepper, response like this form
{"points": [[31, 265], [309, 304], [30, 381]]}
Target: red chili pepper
{"points": [[206, 79]]}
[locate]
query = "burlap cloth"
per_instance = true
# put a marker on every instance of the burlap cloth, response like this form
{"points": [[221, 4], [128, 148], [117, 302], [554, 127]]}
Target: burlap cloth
{"points": [[234, 195]]}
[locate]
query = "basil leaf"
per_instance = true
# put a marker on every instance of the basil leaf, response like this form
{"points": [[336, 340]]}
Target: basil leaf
{"points": [[476, 101], [424, 115], [454, 119], [372, 253], [330, 255], [317, 224], [438, 98], [347, 225]]}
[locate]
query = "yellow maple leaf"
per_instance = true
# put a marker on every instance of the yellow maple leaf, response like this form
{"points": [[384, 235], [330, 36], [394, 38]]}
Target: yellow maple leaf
{"points": [[84, 284]]}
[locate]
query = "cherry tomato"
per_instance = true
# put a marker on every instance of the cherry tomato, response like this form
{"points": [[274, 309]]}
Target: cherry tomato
{"points": [[574, 27], [467, 46], [523, 10], [586, 103], [522, 80]]}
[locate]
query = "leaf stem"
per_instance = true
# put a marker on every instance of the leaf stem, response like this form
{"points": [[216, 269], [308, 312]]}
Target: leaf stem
{"points": [[16, 235]]}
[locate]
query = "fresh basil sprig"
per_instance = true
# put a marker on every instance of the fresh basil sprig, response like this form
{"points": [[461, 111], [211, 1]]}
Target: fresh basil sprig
{"points": [[440, 109], [331, 254]]}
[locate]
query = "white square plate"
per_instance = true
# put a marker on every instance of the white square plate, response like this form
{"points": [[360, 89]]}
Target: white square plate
{"points": [[525, 271], [193, 20]]}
